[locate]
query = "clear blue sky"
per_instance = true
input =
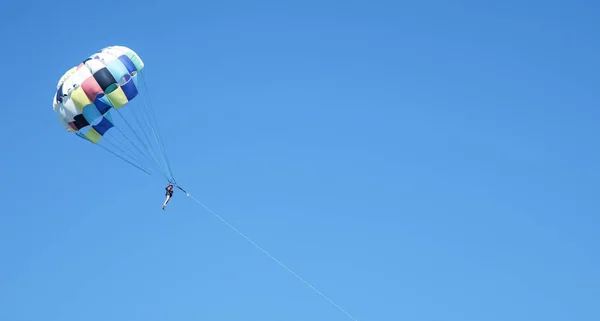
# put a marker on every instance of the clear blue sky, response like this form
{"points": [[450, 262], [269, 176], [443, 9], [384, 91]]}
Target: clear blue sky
{"points": [[413, 161]]}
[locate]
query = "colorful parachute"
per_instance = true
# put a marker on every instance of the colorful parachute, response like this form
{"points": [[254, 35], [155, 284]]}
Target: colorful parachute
{"points": [[100, 101]]}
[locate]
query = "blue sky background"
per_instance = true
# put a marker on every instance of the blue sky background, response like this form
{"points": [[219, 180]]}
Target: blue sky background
{"points": [[417, 161]]}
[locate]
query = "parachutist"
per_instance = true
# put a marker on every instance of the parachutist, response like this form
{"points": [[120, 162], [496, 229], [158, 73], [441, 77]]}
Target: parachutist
{"points": [[168, 194]]}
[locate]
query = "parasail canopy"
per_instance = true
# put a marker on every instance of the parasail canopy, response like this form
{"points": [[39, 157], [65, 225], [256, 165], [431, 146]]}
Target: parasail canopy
{"points": [[104, 100]]}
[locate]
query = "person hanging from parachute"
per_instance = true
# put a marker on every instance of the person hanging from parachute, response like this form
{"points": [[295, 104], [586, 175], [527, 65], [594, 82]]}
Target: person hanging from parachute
{"points": [[168, 194]]}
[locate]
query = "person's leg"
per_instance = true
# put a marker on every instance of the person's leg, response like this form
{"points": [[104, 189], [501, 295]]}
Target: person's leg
{"points": [[166, 201]]}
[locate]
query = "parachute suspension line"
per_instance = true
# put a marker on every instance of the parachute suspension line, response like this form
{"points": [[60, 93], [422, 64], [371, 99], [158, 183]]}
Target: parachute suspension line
{"points": [[144, 156], [143, 118], [157, 135], [132, 151], [154, 128], [124, 159], [131, 159], [272, 257], [140, 140], [144, 125], [159, 144], [119, 147], [134, 145]]}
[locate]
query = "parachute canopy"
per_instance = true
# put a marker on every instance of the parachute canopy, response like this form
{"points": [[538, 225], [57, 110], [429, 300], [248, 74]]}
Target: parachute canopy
{"points": [[100, 100]]}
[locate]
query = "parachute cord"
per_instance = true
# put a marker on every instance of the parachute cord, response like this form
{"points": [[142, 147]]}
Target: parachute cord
{"points": [[157, 134], [143, 144], [141, 141], [142, 127], [150, 125], [124, 159], [147, 125], [272, 257], [106, 141], [144, 155], [138, 157]]}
